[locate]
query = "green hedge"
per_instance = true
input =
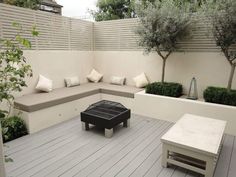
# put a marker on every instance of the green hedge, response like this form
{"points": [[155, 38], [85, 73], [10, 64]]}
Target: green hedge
{"points": [[166, 89], [12, 128], [220, 96]]}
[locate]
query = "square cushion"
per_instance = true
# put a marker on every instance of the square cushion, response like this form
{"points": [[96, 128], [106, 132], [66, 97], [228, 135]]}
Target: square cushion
{"points": [[141, 80], [72, 81], [94, 76], [117, 80], [44, 84]]}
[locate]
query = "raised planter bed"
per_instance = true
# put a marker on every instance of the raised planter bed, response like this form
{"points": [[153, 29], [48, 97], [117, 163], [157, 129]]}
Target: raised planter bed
{"points": [[171, 109]]}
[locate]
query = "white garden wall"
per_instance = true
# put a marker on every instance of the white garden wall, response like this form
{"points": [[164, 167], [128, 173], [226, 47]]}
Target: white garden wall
{"points": [[57, 65], [172, 109], [209, 68]]}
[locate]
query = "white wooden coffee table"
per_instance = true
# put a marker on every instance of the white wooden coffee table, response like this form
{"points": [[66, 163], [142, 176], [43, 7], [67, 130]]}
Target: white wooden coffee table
{"points": [[194, 143]]}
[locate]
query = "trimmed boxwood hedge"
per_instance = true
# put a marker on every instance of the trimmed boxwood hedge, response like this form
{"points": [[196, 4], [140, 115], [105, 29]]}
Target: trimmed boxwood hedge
{"points": [[165, 89], [220, 96], [12, 128]]}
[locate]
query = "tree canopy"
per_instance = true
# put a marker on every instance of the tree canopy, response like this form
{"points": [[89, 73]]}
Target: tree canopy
{"points": [[162, 25], [222, 17], [32, 4], [120, 9], [114, 9]]}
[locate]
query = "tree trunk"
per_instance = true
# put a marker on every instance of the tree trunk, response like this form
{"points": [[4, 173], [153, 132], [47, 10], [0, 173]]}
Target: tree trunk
{"points": [[163, 70], [2, 159], [231, 77]]}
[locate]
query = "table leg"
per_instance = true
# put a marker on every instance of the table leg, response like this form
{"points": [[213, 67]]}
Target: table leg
{"points": [[210, 167], [108, 133], [85, 126], [126, 123], [164, 156]]}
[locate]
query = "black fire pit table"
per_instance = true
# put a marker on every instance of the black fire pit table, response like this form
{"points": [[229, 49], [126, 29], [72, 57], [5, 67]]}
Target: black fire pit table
{"points": [[105, 114]]}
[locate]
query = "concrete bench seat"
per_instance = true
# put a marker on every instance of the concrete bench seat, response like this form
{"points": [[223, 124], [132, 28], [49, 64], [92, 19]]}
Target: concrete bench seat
{"points": [[42, 110], [37, 101]]}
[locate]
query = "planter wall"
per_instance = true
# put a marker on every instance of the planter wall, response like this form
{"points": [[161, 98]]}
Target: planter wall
{"points": [[171, 109]]}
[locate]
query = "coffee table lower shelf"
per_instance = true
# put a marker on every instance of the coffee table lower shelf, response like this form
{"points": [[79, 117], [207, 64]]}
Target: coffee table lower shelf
{"points": [[188, 159]]}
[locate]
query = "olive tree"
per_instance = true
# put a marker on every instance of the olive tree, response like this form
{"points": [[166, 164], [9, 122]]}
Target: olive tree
{"points": [[162, 25], [222, 17]]}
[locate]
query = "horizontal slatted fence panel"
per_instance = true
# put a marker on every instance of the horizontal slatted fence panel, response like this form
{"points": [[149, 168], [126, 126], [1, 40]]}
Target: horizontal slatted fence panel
{"points": [[120, 35], [81, 34], [63, 33], [116, 35], [55, 32]]}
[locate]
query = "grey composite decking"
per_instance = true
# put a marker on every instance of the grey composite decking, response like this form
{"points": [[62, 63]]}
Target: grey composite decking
{"points": [[65, 150]]}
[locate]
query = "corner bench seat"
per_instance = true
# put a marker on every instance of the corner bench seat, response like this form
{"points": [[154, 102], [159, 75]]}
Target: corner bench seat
{"points": [[38, 101]]}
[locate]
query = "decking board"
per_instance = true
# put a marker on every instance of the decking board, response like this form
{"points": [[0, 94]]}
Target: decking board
{"points": [[94, 161], [232, 167], [66, 150], [225, 157], [61, 168]]}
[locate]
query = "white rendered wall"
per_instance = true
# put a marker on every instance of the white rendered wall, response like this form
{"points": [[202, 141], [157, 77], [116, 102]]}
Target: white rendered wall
{"points": [[210, 69], [57, 65]]}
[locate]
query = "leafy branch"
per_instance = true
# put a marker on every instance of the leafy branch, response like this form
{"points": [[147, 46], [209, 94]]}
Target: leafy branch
{"points": [[13, 67]]}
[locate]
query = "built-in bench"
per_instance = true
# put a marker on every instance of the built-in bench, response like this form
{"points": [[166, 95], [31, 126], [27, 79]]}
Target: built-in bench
{"points": [[42, 110]]}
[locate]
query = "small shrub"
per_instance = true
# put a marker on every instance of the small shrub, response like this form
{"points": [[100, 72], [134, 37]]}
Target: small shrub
{"points": [[220, 96], [166, 89], [12, 128]]}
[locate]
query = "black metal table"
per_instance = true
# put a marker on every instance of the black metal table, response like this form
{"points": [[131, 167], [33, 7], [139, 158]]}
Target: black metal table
{"points": [[105, 114]]}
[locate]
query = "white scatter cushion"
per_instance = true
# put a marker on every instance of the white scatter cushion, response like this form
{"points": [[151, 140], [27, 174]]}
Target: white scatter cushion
{"points": [[71, 81], [94, 76], [44, 84], [117, 80], [141, 80]]}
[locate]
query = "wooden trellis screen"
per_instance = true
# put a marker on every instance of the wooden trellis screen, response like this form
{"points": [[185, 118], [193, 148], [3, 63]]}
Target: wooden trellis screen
{"points": [[120, 35], [55, 32], [63, 33]]}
